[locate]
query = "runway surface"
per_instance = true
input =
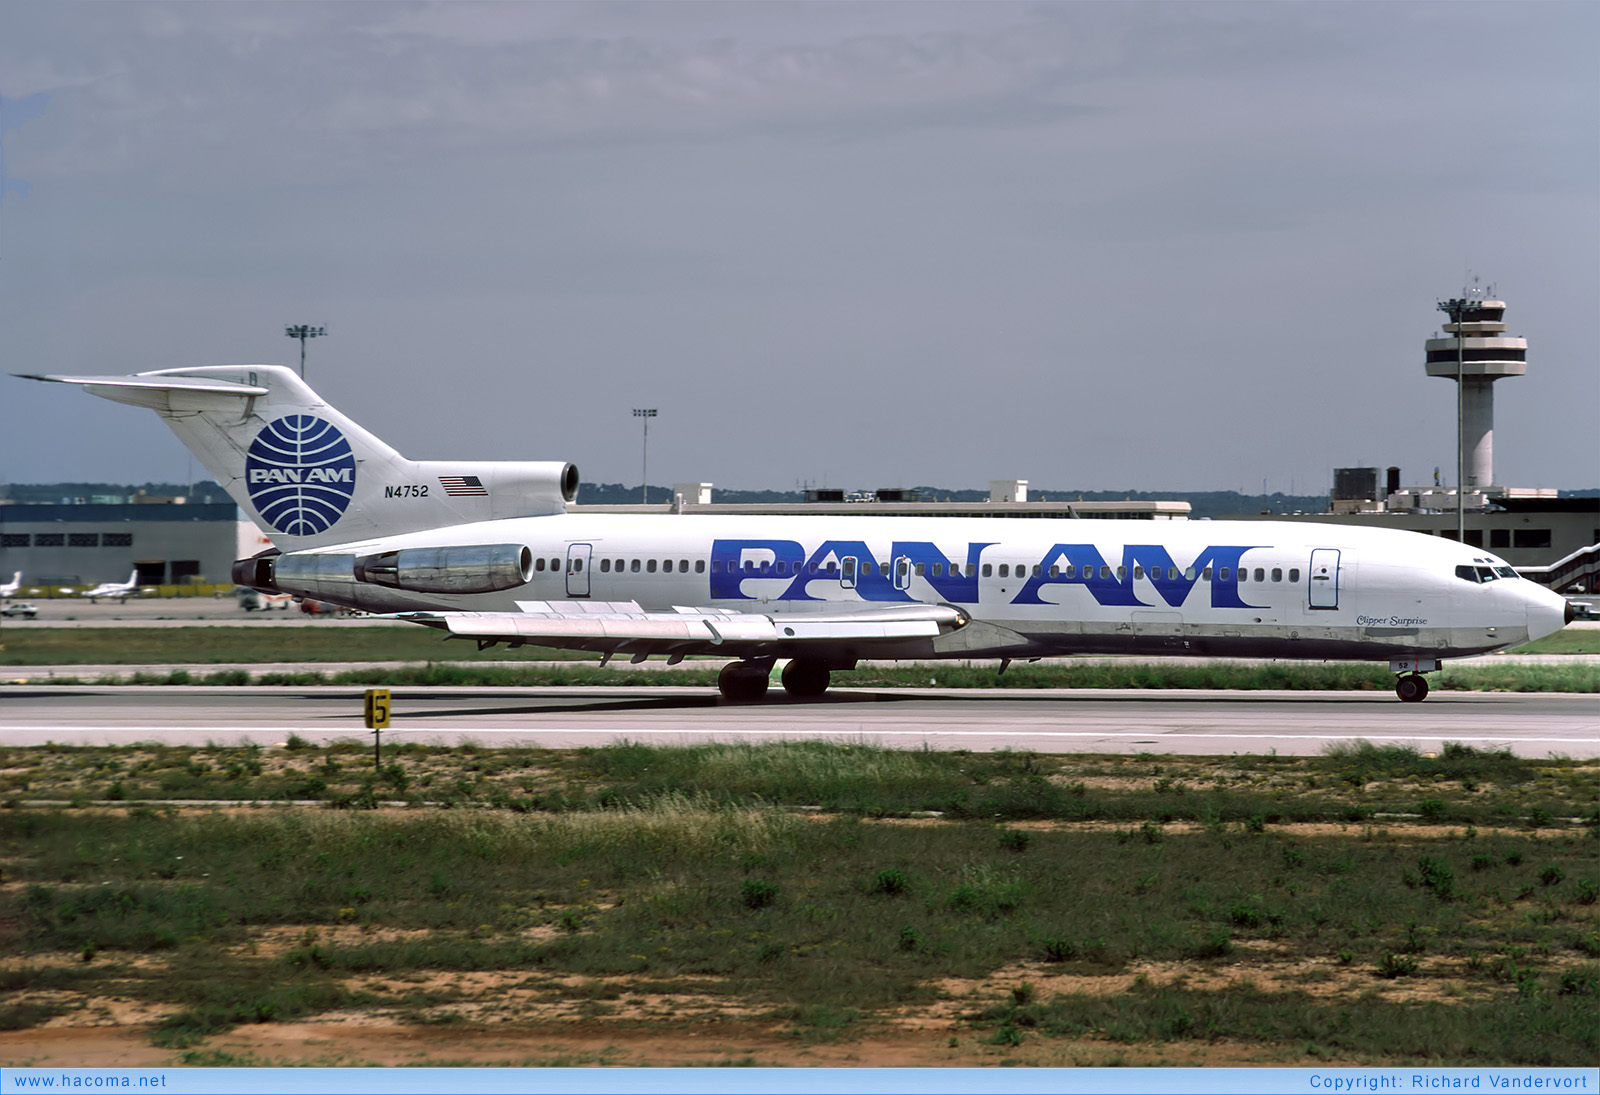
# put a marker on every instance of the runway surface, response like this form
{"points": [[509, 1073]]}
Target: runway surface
{"points": [[1051, 721]]}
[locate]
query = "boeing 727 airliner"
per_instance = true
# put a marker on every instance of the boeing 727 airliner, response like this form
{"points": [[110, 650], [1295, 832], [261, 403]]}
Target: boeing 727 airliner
{"points": [[488, 551]]}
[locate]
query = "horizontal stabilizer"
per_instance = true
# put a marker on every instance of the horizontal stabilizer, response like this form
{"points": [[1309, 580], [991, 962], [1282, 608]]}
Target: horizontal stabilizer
{"points": [[156, 383]]}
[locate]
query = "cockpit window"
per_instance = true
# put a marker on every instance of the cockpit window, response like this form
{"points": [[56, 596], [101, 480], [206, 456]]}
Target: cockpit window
{"points": [[1486, 574], [1468, 573], [1506, 572]]}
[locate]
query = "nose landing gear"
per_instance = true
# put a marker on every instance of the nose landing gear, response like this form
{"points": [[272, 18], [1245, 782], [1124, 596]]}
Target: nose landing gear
{"points": [[1412, 688]]}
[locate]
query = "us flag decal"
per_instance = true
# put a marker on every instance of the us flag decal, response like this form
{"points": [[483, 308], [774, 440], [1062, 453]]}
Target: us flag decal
{"points": [[462, 486]]}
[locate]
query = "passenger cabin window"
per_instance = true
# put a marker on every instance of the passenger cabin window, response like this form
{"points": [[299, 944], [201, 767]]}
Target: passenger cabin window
{"points": [[1055, 571], [988, 570], [1188, 574], [1105, 572], [699, 566], [1223, 573], [1277, 574], [1122, 574], [1005, 570], [635, 566], [538, 564], [920, 570], [605, 566], [683, 566], [1205, 575], [1294, 574], [938, 570], [1138, 572], [1261, 574]]}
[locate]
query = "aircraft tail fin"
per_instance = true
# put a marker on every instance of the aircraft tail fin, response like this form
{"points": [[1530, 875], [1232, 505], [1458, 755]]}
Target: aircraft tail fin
{"points": [[307, 474]]}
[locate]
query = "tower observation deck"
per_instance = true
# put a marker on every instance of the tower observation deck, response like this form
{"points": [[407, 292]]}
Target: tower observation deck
{"points": [[1476, 354]]}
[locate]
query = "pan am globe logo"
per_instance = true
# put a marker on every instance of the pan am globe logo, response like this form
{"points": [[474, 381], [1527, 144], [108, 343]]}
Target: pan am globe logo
{"points": [[301, 474]]}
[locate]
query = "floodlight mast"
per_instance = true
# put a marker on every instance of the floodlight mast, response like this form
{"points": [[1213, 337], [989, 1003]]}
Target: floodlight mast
{"points": [[646, 413], [303, 332]]}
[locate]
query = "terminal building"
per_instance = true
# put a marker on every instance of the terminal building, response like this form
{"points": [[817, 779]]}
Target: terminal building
{"points": [[1007, 498]]}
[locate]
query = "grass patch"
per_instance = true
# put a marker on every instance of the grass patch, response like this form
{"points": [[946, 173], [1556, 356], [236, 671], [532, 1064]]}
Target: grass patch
{"points": [[676, 871]]}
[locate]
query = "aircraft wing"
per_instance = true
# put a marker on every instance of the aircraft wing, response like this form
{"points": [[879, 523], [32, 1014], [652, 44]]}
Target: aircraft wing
{"points": [[623, 627]]}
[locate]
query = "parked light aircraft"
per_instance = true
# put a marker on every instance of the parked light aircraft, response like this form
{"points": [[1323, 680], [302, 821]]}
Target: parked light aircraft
{"points": [[488, 551], [9, 589], [120, 590]]}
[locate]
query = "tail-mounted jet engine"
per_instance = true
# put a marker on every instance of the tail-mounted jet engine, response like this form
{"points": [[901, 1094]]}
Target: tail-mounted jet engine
{"points": [[470, 568], [487, 568]]}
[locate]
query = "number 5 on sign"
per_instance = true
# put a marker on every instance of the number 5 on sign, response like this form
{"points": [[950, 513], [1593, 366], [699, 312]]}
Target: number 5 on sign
{"points": [[377, 708]]}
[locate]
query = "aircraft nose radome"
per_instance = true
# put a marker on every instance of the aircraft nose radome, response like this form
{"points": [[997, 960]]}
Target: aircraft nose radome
{"points": [[1548, 612]]}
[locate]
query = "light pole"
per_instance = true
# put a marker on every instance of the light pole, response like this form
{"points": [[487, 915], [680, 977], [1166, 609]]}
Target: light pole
{"points": [[646, 413], [303, 332]]}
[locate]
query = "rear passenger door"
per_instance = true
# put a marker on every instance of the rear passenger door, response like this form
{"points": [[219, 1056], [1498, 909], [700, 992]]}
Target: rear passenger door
{"points": [[578, 569]]}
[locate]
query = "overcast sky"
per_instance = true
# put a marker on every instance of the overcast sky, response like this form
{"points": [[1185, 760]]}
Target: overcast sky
{"points": [[1094, 245]]}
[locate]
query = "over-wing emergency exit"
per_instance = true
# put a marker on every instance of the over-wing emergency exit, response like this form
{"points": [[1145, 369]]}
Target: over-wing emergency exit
{"points": [[488, 551]]}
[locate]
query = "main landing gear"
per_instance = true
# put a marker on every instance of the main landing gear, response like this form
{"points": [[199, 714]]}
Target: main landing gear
{"points": [[746, 682]]}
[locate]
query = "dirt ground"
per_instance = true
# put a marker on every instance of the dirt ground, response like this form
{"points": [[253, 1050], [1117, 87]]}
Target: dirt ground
{"points": [[514, 1018]]}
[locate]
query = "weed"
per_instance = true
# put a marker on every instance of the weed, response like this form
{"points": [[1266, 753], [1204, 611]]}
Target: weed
{"points": [[1552, 876], [1397, 965], [1014, 840], [758, 893], [1007, 1035], [1437, 877], [1581, 980], [1058, 948], [891, 882], [910, 939]]}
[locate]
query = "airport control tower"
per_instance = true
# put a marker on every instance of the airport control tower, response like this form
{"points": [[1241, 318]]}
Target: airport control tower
{"points": [[1477, 354]]}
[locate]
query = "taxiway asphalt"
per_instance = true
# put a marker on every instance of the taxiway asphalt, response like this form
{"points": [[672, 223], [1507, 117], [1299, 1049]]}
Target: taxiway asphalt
{"points": [[1044, 720]]}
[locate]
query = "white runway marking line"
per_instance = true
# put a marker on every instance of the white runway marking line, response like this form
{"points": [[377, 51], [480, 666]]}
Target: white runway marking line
{"points": [[468, 731]]}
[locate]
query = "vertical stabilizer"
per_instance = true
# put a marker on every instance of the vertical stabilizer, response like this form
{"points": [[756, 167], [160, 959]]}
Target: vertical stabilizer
{"points": [[307, 474]]}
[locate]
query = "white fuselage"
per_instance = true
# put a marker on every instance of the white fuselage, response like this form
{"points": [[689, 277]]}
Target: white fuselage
{"points": [[1030, 587]]}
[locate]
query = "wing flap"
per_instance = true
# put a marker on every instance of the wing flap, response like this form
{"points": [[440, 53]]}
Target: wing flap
{"points": [[600, 625]]}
